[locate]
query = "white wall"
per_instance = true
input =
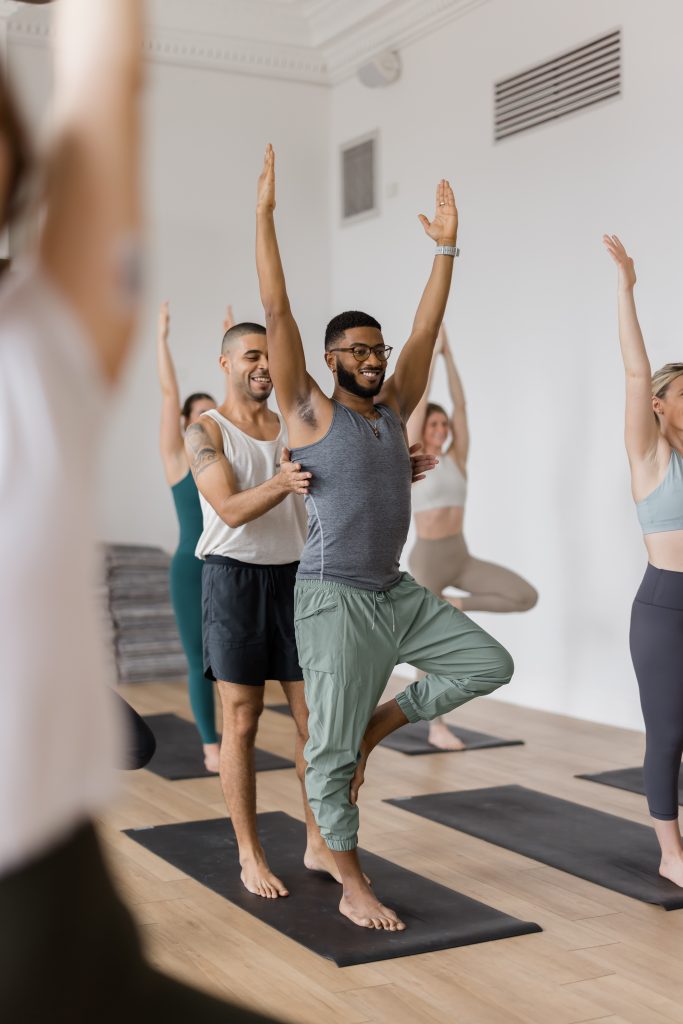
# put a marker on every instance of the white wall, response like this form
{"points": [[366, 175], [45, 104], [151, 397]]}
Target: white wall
{"points": [[206, 133], [533, 310], [532, 314]]}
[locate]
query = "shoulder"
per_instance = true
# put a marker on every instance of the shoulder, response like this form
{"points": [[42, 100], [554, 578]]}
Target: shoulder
{"points": [[35, 311], [392, 413], [459, 463], [204, 432]]}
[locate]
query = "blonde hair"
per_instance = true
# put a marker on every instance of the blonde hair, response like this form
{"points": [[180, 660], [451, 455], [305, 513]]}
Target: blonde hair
{"points": [[662, 378]]}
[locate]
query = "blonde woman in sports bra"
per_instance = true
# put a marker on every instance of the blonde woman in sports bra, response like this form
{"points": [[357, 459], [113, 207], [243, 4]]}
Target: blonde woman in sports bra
{"points": [[440, 557], [654, 445]]}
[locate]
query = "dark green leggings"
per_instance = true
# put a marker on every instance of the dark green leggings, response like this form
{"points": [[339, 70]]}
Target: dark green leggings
{"points": [[186, 595]]}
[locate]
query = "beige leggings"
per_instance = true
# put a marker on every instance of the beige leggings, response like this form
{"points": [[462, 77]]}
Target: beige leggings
{"points": [[437, 564]]}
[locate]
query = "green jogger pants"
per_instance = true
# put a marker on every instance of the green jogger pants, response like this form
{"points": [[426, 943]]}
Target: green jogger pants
{"points": [[349, 643]]}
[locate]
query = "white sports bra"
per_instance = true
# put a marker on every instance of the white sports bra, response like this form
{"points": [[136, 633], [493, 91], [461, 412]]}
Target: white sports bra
{"points": [[445, 486]]}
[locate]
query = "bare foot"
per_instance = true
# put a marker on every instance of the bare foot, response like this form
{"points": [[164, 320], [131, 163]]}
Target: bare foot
{"points": [[212, 757], [363, 908], [318, 857], [258, 878], [672, 868], [441, 736]]}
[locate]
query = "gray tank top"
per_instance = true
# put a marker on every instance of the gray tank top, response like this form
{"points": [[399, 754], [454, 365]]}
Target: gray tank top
{"points": [[359, 502]]}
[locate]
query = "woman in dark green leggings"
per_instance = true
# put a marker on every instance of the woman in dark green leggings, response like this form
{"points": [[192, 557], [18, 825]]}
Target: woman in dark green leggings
{"points": [[186, 570]]}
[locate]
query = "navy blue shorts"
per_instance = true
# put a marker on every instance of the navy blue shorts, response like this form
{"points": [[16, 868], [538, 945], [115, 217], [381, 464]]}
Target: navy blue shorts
{"points": [[248, 621]]}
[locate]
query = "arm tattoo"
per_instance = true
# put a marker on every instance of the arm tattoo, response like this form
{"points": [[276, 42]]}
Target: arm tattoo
{"points": [[203, 451]]}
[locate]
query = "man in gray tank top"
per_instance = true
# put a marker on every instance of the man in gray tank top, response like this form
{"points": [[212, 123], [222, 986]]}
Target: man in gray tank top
{"points": [[356, 614]]}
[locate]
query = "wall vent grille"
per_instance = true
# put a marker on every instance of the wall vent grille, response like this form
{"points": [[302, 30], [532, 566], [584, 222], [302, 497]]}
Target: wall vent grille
{"points": [[573, 81], [359, 178]]}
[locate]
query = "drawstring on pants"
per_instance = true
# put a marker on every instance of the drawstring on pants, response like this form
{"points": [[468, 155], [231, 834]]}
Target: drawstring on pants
{"points": [[385, 593]]}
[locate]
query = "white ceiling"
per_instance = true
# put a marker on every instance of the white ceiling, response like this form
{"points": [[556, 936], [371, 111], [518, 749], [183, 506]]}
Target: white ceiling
{"points": [[321, 41]]}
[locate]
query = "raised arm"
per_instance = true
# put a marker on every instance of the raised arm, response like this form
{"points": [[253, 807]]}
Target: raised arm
{"points": [[170, 434], [460, 445], [228, 319], [641, 431], [90, 241], [294, 388], [416, 423], [215, 478], [408, 383]]}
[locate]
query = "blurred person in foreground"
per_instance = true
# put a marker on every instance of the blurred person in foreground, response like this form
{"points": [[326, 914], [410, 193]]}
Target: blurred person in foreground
{"points": [[68, 948]]}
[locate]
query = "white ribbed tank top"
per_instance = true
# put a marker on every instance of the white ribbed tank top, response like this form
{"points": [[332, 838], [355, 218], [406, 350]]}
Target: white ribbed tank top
{"points": [[275, 538]]}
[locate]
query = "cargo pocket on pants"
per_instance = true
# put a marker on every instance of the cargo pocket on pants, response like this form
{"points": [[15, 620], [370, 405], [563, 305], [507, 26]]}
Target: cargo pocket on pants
{"points": [[315, 627]]}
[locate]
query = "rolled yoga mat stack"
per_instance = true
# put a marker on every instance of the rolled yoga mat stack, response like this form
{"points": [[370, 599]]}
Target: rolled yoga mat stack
{"points": [[144, 635]]}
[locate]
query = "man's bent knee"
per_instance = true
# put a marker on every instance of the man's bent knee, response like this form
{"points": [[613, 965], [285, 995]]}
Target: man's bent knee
{"points": [[504, 668]]}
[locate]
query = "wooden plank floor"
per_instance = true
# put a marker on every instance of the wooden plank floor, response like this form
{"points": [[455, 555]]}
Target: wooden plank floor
{"points": [[602, 957]]}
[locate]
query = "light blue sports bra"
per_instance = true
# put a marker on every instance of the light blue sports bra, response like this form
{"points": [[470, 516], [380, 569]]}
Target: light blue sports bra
{"points": [[662, 510]]}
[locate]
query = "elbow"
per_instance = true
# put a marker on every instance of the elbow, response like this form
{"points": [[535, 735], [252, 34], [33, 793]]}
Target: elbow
{"points": [[275, 308], [233, 520]]}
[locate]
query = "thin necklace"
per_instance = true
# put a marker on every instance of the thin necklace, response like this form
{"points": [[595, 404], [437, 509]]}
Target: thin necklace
{"points": [[374, 423]]}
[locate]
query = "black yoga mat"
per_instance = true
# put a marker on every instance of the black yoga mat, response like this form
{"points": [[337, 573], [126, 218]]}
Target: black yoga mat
{"points": [[179, 753], [630, 779], [602, 848], [412, 739], [436, 917]]}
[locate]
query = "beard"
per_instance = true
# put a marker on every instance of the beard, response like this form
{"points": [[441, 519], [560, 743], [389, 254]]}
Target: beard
{"points": [[348, 381], [257, 396]]}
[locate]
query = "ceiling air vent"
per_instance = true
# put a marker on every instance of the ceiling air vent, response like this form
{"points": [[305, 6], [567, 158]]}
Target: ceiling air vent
{"points": [[573, 81], [359, 178]]}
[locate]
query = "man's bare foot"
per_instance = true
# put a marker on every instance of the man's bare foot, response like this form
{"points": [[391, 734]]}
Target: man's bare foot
{"points": [[441, 736], [258, 878], [212, 757], [363, 908], [672, 868], [318, 857]]}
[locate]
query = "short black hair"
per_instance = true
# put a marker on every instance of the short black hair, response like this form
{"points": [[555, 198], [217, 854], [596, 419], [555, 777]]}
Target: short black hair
{"points": [[238, 331], [343, 322]]}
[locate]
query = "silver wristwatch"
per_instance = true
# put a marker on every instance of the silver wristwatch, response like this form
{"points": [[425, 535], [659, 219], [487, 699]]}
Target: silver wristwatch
{"points": [[447, 250]]}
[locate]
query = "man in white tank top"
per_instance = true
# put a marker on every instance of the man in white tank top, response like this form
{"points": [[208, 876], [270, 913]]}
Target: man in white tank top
{"points": [[254, 532]]}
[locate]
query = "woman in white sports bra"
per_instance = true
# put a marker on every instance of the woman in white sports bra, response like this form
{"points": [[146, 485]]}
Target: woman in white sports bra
{"points": [[440, 557]]}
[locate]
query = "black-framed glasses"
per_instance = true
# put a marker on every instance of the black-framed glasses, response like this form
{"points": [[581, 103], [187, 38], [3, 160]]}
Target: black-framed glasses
{"points": [[361, 352]]}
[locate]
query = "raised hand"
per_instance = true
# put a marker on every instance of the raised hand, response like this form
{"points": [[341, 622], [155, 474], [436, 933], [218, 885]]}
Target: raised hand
{"points": [[228, 319], [265, 193], [291, 477], [420, 462], [164, 322], [627, 270], [444, 228]]}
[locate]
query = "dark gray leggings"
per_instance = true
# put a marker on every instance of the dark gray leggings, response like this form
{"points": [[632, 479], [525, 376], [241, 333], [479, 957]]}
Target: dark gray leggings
{"points": [[657, 653]]}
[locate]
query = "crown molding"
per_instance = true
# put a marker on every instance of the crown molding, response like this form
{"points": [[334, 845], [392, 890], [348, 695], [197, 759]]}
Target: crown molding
{"points": [[238, 56], [393, 26], [346, 33], [204, 51]]}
